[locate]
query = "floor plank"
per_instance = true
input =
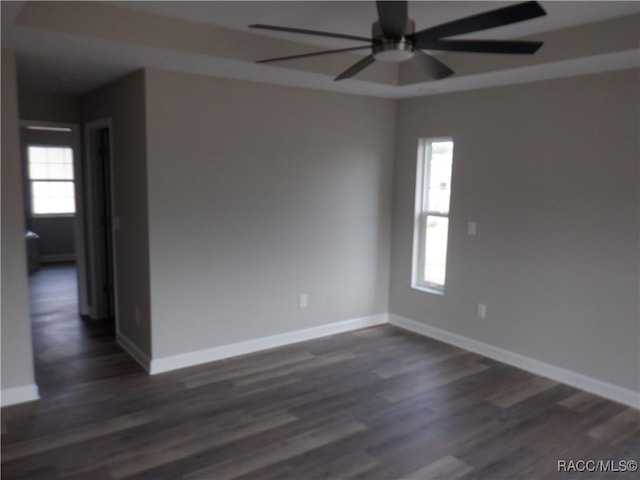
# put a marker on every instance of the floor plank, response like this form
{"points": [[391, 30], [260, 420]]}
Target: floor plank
{"points": [[617, 428], [278, 452], [446, 468], [520, 392]]}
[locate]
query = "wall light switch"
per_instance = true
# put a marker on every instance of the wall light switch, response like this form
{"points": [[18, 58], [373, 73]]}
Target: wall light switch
{"points": [[471, 229], [304, 300], [481, 310]]}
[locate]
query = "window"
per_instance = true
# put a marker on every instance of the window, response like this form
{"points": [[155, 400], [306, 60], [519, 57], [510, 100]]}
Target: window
{"points": [[51, 179], [431, 227]]}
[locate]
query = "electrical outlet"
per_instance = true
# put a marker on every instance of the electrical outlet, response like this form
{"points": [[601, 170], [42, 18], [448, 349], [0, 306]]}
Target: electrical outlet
{"points": [[304, 300], [481, 310], [471, 229]]}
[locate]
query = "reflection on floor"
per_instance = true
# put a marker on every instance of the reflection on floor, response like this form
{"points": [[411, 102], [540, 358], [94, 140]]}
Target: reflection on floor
{"points": [[69, 350]]}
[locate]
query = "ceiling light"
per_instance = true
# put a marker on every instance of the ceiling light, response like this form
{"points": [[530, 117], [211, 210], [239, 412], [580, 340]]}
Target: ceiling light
{"points": [[45, 128], [393, 55], [393, 51]]}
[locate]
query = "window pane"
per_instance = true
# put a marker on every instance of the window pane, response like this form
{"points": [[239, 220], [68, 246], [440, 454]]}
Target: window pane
{"points": [[38, 170], [50, 163], [60, 205], [55, 164], [60, 189], [38, 154], [53, 197], [435, 255], [55, 155], [40, 189], [57, 171], [440, 176]]}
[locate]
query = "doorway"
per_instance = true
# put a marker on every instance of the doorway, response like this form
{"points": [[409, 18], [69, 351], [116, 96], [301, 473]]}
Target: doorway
{"points": [[68, 206]]}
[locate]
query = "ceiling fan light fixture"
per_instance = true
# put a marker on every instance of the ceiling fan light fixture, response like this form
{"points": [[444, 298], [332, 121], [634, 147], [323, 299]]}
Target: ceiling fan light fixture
{"points": [[394, 52], [393, 56]]}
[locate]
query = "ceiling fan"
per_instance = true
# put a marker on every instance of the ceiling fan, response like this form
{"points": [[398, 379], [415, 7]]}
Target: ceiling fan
{"points": [[394, 39]]}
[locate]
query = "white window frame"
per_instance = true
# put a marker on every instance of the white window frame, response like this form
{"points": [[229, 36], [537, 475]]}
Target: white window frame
{"points": [[32, 180], [421, 213]]}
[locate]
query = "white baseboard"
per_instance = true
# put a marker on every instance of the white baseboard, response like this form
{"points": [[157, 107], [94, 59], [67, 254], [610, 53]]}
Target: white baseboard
{"points": [[15, 395], [133, 350], [574, 379], [197, 357], [622, 395], [62, 257]]}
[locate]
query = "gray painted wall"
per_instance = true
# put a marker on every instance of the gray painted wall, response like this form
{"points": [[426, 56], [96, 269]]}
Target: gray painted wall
{"points": [[550, 173], [56, 236], [48, 107], [257, 194], [17, 359], [124, 102]]}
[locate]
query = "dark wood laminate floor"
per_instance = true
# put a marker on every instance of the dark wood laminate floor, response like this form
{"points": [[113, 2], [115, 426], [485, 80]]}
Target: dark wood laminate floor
{"points": [[377, 403], [68, 349]]}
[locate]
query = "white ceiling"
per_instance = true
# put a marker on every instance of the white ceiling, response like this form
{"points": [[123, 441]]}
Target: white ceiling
{"points": [[56, 60], [355, 18]]}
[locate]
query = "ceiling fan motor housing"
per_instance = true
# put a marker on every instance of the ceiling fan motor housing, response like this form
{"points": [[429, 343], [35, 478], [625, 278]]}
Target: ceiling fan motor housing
{"points": [[392, 49]]}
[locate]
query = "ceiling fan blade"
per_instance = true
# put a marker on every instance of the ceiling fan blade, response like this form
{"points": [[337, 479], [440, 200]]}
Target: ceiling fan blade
{"points": [[393, 17], [310, 32], [431, 65], [356, 68], [483, 21], [313, 54], [482, 46]]}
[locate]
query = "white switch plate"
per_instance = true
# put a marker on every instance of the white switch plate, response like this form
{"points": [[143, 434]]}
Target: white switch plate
{"points": [[471, 229], [481, 310], [304, 300]]}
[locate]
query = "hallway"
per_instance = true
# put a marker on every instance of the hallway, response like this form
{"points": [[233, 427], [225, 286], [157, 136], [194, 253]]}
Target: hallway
{"points": [[69, 350]]}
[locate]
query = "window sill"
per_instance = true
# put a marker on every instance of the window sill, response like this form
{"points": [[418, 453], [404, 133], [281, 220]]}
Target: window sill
{"points": [[53, 215], [433, 290]]}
